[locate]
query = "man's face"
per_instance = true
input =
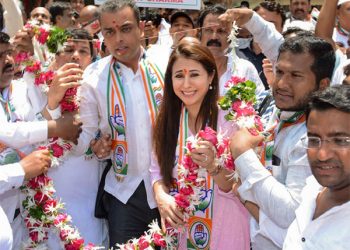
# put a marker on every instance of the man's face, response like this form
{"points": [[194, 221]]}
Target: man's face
{"points": [[122, 34], [7, 69], [180, 28], [330, 164], [40, 14], [271, 16], [214, 35], [89, 22], [343, 14], [67, 20], [299, 9], [77, 5], [294, 81], [76, 52]]}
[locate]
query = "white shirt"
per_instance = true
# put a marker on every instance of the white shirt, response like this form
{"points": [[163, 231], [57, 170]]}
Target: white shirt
{"points": [[160, 54], [340, 38], [277, 195], [94, 115], [242, 68], [266, 35], [329, 231], [11, 178]]}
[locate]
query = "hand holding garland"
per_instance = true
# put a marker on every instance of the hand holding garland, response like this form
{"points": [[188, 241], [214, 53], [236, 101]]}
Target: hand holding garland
{"points": [[66, 77]]}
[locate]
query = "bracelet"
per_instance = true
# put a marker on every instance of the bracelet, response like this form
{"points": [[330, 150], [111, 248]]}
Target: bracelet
{"points": [[216, 171]]}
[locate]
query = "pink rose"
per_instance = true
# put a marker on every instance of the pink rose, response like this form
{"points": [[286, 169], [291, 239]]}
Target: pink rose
{"points": [[258, 123], [89, 246], [159, 240], [75, 244], [40, 198], [21, 57], [40, 79], [191, 178], [36, 66], [143, 243], [43, 35], [64, 235], [186, 190], [57, 150], [33, 184], [49, 205], [60, 218], [71, 92], [34, 236], [181, 201], [208, 134]]}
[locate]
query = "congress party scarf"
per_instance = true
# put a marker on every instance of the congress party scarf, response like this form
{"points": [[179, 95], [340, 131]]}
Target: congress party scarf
{"points": [[117, 118]]}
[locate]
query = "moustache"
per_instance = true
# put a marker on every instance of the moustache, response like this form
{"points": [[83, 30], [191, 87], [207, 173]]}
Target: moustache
{"points": [[214, 42], [299, 10], [7, 66]]}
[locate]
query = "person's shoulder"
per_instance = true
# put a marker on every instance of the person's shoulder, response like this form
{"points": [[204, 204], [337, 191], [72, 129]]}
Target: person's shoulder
{"points": [[98, 66]]}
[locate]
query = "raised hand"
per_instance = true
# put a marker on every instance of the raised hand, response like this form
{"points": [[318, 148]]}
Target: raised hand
{"points": [[66, 77], [23, 41], [204, 155]]}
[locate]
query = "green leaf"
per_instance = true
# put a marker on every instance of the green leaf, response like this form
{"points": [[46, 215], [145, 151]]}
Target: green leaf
{"points": [[57, 37]]}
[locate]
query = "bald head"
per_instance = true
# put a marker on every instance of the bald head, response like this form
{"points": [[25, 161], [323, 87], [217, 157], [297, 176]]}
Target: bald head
{"points": [[88, 13], [88, 19], [40, 14]]}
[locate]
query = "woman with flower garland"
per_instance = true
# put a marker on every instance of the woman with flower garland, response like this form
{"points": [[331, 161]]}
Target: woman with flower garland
{"points": [[189, 105]]}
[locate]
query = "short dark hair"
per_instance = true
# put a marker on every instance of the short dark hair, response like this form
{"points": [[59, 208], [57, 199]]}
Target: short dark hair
{"points": [[115, 5], [297, 32], [153, 16], [273, 7], [318, 48], [57, 9], [4, 38], [216, 9], [82, 35], [335, 97]]}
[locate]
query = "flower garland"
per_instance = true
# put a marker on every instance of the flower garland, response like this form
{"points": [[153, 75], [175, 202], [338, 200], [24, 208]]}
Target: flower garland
{"points": [[42, 210], [191, 177]]}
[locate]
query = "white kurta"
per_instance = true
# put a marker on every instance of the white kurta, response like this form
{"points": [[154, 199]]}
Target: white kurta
{"points": [[328, 231], [277, 195]]}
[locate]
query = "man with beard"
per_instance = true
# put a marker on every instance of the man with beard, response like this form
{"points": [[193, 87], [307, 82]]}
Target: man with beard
{"points": [[323, 217], [271, 187], [299, 10], [214, 35]]}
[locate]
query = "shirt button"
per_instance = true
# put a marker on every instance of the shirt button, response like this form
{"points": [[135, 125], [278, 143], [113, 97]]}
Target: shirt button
{"points": [[303, 239], [13, 187]]}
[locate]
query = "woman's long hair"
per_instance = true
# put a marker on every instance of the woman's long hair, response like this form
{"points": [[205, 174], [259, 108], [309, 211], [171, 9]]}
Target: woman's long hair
{"points": [[166, 131]]}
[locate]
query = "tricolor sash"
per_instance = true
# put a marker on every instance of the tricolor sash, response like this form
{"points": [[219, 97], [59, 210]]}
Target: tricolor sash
{"points": [[267, 152], [153, 85], [200, 225]]}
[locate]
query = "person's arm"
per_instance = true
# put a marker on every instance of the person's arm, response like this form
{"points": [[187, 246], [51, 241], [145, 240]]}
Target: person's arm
{"points": [[168, 209], [277, 200], [264, 32], [326, 21], [13, 175], [12, 16]]}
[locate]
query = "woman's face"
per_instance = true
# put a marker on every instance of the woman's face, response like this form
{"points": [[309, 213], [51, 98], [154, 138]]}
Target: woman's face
{"points": [[190, 82]]}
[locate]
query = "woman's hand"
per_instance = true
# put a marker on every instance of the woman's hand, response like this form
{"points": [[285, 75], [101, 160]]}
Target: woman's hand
{"points": [[169, 211], [204, 155]]}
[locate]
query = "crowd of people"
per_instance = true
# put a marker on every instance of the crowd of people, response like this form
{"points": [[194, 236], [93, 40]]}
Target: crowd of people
{"points": [[148, 79]]}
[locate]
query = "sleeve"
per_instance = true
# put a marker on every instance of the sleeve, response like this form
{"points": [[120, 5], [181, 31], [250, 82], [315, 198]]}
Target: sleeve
{"points": [[154, 169], [89, 116], [278, 201], [266, 35], [12, 16], [11, 177], [20, 134]]}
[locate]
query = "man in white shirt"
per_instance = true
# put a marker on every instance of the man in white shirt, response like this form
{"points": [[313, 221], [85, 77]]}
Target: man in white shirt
{"points": [[214, 35], [323, 217], [305, 64], [299, 10], [116, 102]]}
